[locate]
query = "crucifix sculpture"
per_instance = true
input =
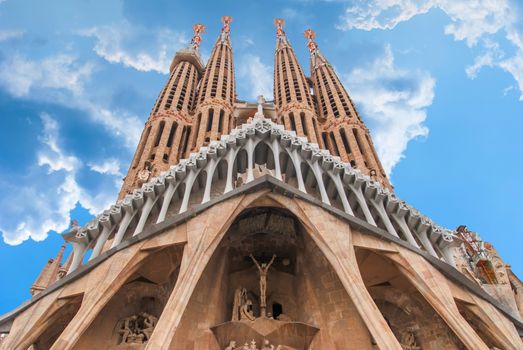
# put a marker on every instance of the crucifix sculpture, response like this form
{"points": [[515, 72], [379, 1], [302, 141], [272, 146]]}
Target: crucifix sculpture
{"points": [[262, 271]]}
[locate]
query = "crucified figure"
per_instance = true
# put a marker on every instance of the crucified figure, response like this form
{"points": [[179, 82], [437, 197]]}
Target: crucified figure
{"points": [[262, 271]]}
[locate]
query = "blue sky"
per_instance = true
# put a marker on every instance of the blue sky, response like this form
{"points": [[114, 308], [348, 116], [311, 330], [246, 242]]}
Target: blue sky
{"points": [[439, 83]]}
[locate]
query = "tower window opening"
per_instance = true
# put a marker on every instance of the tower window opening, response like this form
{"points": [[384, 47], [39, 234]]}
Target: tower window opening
{"points": [[334, 144], [345, 141], [196, 130], [165, 157], [171, 134], [220, 121], [293, 123], [185, 131], [142, 146], [324, 137], [303, 124], [159, 134], [354, 132], [209, 119]]}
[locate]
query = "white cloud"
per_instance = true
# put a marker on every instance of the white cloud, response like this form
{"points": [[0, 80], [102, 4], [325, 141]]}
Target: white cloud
{"points": [[136, 47], [61, 79], [110, 166], [394, 102], [256, 76], [6, 35], [19, 74], [474, 22], [52, 155], [42, 201]]}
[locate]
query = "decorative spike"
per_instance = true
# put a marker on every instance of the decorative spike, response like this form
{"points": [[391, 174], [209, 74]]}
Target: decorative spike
{"points": [[226, 20], [279, 23], [310, 35], [196, 39]]}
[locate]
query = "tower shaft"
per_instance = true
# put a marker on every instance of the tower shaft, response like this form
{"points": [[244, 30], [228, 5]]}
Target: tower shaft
{"points": [[292, 96], [217, 93], [164, 139], [344, 132]]}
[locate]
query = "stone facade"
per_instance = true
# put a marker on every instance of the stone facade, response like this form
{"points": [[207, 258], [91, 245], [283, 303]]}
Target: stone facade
{"points": [[252, 236]]}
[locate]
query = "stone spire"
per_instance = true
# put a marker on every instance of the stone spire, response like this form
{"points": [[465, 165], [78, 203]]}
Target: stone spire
{"points": [[344, 133], [292, 96], [164, 138], [217, 93], [49, 273]]}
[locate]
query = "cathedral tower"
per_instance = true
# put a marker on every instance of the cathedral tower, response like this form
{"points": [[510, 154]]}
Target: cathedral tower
{"points": [[50, 273], [217, 93], [165, 136], [344, 133], [292, 97]]}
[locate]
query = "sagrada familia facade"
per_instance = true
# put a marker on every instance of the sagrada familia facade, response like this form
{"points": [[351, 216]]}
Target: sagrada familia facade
{"points": [[266, 225]]}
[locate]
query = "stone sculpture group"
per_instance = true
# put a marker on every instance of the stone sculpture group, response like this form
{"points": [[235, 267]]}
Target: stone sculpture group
{"points": [[252, 346], [137, 329]]}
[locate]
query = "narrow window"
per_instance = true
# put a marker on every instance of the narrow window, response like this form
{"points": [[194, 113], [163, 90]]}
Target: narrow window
{"points": [[171, 134], [293, 123], [345, 141], [209, 119], [159, 134], [142, 146], [334, 144], [220, 121], [303, 124]]}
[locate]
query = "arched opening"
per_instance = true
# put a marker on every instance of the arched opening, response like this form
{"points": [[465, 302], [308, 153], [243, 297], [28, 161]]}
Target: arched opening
{"points": [[470, 314], [198, 188], [411, 318], [239, 172], [332, 192], [264, 158], [305, 303], [176, 201], [309, 179], [129, 318], [56, 322], [219, 179], [287, 169]]}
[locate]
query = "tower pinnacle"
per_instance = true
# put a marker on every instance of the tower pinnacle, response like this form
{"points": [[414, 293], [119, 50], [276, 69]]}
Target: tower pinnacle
{"points": [[226, 29], [196, 39]]}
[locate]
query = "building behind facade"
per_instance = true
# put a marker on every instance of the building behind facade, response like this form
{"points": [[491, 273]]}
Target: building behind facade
{"points": [[265, 225]]}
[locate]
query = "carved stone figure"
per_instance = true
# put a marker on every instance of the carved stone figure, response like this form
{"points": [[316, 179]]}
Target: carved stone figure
{"points": [[267, 345], [253, 345], [232, 345], [408, 340], [240, 297], [262, 271], [149, 322], [246, 311], [127, 328]]}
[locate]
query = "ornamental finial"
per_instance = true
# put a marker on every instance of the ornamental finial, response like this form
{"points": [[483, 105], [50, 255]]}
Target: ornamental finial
{"points": [[196, 39], [226, 20], [279, 23], [310, 35]]}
